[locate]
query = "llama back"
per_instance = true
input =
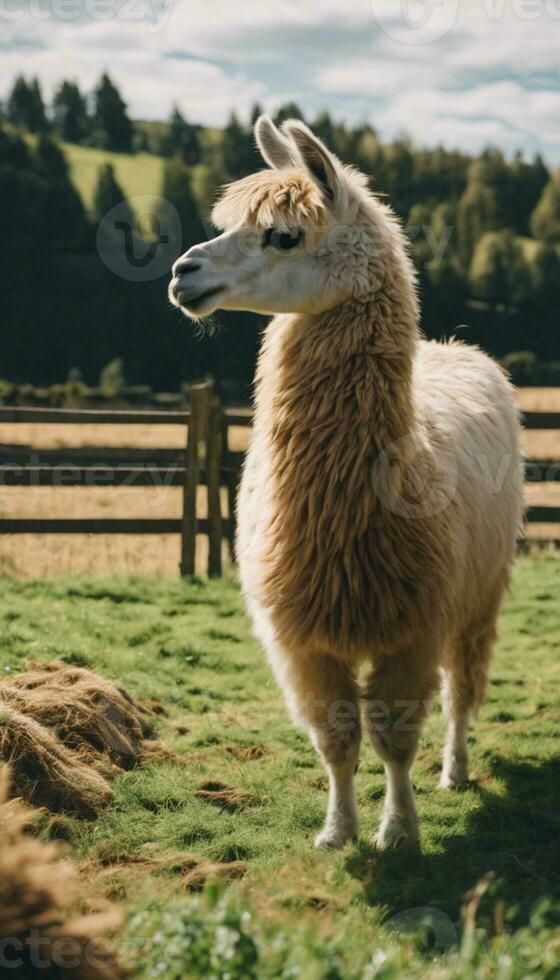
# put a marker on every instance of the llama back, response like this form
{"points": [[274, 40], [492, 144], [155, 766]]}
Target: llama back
{"points": [[468, 405]]}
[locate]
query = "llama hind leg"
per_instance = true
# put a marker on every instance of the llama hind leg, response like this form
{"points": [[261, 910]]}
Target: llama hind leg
{"points": [[465, 674], [398, 695], [464, 683], [323, 698]]}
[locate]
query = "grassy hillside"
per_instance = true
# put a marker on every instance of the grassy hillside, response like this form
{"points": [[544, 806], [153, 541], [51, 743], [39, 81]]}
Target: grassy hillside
{"points": [[138, 173], [249, 789]]}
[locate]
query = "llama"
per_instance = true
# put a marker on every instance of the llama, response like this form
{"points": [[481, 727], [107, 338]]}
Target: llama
{"points": [[382, 492]]}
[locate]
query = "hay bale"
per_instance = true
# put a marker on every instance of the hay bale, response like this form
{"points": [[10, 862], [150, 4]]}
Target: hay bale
{"points": [[45, 772], [65, 731], [36, 888]]}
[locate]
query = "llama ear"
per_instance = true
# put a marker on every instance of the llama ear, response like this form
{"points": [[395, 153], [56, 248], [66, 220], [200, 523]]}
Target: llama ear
{"points": [[279, 152], [320, 162]]}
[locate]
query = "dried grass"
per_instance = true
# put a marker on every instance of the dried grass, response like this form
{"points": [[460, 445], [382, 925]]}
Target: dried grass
{"points": [[248, 753], [224, 796], [36, 889], [66, 731], [197, 871], [194, 871]]}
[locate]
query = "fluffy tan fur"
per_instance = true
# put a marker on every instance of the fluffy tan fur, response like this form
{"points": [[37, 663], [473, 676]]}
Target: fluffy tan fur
{"points": [[263, 200]]}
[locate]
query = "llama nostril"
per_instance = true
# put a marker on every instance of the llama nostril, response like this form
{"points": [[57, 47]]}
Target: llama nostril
{"points": [[184, 266]]}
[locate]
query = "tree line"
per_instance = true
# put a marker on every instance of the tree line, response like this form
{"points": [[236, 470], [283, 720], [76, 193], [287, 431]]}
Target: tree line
{"points": [[485, 230], [99, 118]]}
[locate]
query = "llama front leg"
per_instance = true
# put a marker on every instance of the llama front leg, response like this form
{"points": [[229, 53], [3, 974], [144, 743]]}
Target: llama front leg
{"points": [[323, 697], [397, 697]]}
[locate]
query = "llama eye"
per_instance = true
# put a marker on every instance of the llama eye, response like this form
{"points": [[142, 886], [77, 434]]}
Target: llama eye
{"points": [[283, 241]]}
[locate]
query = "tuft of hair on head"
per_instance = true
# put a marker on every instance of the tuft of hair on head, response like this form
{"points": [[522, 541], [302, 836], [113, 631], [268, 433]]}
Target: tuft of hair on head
{"points": [[271, 198]]}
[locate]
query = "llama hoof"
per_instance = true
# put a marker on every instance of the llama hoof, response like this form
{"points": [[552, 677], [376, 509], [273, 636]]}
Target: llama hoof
{"points": [[333, 838], [395, 834], [457, 777]]}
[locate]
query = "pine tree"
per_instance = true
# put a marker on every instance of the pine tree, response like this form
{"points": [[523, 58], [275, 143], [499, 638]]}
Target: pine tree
{"points": [[25, 105], [182, 139], [499, 273], [529, 181], [256, 111], [14, 151], [476, 215], [65, 213], [70, 113], [290, 110], [176, 189], [545, 278], [238, 149], [108, 193], [545, 220], [115, 129]]}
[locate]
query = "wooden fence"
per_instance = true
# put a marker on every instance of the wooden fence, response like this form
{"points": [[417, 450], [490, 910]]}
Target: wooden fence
{"points": [[206, 460]]}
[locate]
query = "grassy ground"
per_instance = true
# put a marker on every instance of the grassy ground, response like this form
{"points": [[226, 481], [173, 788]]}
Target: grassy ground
{"points": [[189, 645], [138, 173]]}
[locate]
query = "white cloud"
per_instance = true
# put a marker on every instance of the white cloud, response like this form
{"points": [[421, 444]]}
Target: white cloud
{"points": [[502, 113], [493, 77]]}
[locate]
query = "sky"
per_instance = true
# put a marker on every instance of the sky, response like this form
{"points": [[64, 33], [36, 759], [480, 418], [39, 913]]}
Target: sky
{"points": [[463, 73]]}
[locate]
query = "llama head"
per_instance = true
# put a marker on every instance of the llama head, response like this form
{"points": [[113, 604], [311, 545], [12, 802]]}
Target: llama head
{"points": [[301, 237]]}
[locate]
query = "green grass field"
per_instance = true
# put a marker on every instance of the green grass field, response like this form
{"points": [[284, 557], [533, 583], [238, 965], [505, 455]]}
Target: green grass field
{"points": [[138, 173], [298, 912]]}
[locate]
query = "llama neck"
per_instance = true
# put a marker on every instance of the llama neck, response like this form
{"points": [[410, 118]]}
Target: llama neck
{"points": [[343, 378], [333, 393], [332, 557]]}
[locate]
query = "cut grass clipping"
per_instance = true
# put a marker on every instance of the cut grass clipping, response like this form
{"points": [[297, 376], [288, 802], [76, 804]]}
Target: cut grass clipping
{"points": [[65, 731], [37, 939]]}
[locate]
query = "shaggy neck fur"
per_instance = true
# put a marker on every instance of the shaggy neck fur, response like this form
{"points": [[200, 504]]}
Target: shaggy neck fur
{"points": [[333, 392]]}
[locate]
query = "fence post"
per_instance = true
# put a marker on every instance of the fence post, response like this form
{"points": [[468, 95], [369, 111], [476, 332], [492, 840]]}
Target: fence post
{"points": [[213, 480], [231, 481], [198, 426], [232, 490]]}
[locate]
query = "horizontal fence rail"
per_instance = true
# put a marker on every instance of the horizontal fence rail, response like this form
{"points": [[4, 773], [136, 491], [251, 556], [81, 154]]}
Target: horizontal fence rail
{"points": [[205, 460], [94, 416], [102, 525], [541, 420], [152, 468]]}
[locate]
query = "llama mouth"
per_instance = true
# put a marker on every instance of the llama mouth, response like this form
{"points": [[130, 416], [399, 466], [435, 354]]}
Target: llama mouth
{"points": [[195, 303]]}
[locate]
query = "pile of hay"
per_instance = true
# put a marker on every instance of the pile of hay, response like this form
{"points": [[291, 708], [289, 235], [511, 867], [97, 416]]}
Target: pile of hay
{"points": [[65, 731], [36, 888], [226, 797]]}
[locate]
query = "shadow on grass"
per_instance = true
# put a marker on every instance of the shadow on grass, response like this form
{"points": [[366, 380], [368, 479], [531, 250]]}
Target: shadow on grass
{"points": [[514, 833]]}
